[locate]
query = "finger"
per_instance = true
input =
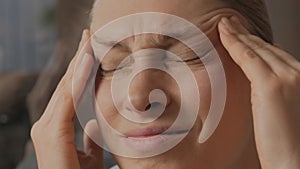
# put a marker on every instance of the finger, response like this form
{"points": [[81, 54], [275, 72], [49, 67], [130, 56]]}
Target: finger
{"points": [[85, 46], [61, 102], [288, 58], [251, 64], [263, 49], [90, 140], [81, 76], [84, 38], [277, 61], [82, 71], [74, 87]]}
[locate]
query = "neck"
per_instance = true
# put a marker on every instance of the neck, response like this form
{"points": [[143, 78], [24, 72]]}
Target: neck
{"points": [[249, 159]]}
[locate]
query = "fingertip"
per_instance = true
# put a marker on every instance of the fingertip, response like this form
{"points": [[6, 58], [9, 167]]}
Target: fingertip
{"points": [[223, 28], [224, 33], [91, 139], [88, 46], [91, 135], [85, 35], [83, 40]]}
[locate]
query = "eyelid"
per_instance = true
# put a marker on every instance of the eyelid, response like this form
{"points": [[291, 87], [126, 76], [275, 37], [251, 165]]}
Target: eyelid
{"points": [[108, 70], [111, 44], [117, 45], [111, 70], [186, 60], [196, 57], [105, 70]]}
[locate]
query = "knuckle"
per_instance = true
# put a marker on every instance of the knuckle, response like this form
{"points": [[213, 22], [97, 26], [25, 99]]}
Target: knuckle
{"points": [[275, 86], [257, 43], [66, 95], [284, 84], [294, 78], [35, 130], [64, 84], [249, 53], [254, 42]]}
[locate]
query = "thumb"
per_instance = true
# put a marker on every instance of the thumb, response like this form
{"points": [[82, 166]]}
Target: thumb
{"points": [[90, 139]]}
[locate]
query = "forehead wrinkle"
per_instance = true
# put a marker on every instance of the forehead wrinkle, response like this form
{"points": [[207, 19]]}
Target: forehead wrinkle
{"points": [[152, 40], [151, 6]]}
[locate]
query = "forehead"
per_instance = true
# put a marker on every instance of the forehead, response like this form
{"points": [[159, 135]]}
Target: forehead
{"points": [[105, 11]]}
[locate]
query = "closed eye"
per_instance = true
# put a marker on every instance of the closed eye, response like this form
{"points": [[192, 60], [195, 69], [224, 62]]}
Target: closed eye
{"points": [[108, 71], [195, 58], [189, 60], [123, 65]]}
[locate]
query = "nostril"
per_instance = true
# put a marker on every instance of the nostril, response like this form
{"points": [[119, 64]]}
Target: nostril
{"points": [[153, 105]]}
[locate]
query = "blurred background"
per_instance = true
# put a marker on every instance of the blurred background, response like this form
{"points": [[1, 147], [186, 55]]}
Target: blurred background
{"points": [[38, 39]]}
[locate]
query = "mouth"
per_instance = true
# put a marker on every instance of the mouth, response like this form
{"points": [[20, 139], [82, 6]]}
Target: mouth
{"points": [[153, 131], [147, 139]]}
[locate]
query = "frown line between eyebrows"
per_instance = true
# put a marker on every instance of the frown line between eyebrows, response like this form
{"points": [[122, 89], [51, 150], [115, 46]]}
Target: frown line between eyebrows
{"points": [[109, 41]]}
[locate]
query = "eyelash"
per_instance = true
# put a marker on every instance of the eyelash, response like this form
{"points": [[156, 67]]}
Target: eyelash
{"points": [[197, 58], [189, 60], [106, 72], [117, 45], [103, 71]]}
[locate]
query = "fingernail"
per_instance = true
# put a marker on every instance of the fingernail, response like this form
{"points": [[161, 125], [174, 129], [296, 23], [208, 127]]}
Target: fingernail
{"points": [[85, 65], [225, 21], [81, 75], [84, 35], [226, 25]]}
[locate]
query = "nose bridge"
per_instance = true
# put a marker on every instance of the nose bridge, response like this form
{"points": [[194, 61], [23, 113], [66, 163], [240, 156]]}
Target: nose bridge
{"points": [[148, 60], [149, 40]]}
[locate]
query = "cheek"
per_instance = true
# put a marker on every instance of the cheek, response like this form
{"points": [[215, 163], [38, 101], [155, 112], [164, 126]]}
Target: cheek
{"points": [[238, 87], [236, 120], [204, 87], [105, 102]]}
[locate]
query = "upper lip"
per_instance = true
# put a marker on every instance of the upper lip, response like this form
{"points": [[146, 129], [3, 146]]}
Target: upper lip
{"points": [[152, 131]]}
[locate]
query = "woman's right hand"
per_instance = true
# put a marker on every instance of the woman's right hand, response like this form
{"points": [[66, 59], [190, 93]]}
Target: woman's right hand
{"points": [[53, 134]]}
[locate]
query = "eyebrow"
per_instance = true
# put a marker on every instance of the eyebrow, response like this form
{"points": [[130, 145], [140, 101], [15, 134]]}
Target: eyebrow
{"points": [[104, 41], [107, 42], [154, 41]]}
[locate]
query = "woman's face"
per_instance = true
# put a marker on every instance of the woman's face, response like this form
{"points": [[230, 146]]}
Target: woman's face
{"points": [[231, 145]]}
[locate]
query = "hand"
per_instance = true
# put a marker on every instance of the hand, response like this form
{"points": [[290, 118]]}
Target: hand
{"points": [[275, 94], [53, 135]]}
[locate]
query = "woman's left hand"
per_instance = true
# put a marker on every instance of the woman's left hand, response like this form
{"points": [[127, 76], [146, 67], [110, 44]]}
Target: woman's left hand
{"points": [[275, 94]]}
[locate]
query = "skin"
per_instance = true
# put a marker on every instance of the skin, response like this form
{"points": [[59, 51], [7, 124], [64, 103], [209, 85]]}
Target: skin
{"points": [[239, 140], [264, 101]]}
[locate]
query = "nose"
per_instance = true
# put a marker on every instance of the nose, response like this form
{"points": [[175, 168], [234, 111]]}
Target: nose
{"points": [[148, 90]]}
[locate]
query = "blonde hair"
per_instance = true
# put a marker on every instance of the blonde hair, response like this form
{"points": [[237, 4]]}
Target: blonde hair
{"points": [[256, 13]]}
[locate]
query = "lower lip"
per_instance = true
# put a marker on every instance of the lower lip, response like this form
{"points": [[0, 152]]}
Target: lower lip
{"points": [[152, 142]]}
